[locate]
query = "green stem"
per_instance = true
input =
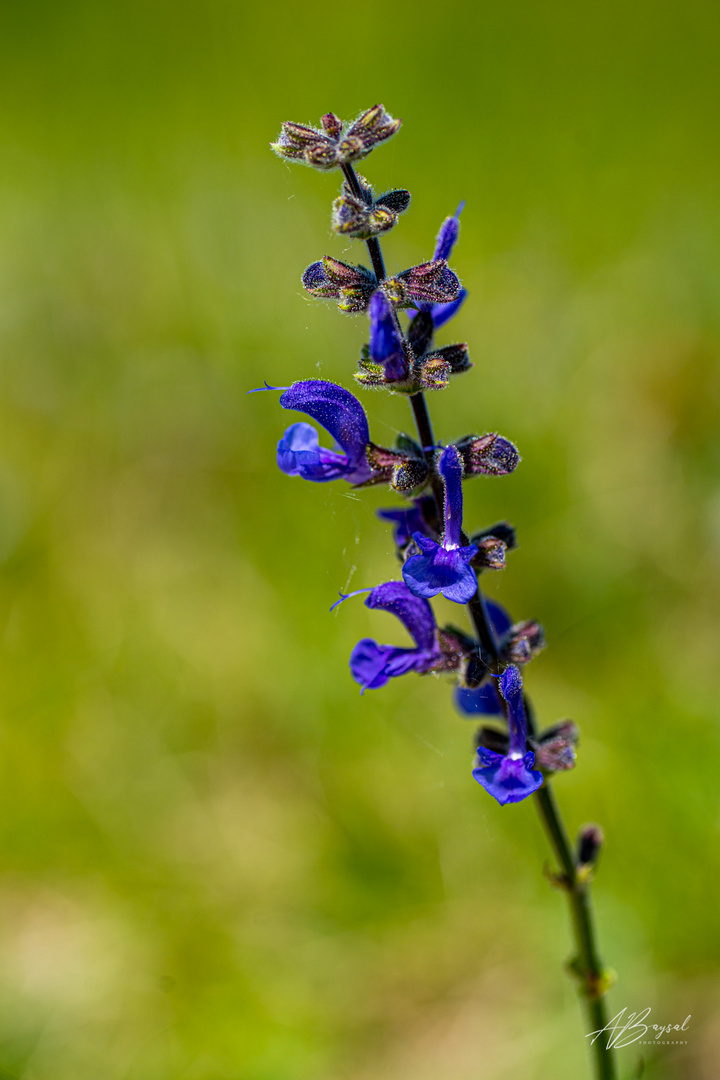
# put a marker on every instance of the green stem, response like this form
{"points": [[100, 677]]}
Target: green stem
{"points": [[587, 965]]}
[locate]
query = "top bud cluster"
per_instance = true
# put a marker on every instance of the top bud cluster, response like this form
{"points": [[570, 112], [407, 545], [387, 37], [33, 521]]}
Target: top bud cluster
{"points": [[437, 556]]}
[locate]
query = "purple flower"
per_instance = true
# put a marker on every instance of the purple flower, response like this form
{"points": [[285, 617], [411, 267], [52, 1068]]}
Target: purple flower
{"points": [[444, 568], [485, 700], [479, 700], [386, 342], [446, 240], [408, 520], [299, 452], [372, 664], [510, 777]]}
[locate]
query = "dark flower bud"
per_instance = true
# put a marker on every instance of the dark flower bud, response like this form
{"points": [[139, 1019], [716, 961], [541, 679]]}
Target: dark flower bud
{"points": [[332, 125], [429, 283], [455, 356], [487, 455], [405, 474], [410, 475], [455, 646], [296, 140], [364, 216], [555, 748], [420, 332], [397, 200], [372, 127], [369, 374], [476, 673], [351, 217], [490, 555], [589, 842], [431, 372], [329, 148], [330, 279], [522, 642], [502, 530]]}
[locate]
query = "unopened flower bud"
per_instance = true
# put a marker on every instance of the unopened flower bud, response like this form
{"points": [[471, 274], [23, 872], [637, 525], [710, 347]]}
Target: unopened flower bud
{"points": [[332, 125], [502, 530], [404, 474], [362, 215], [329, 148], [455, 646], [331, 279], [410, 475], [589, 842], [431, 372], [431, 282], [555, 748], [477, 670], [522, 642], [490, 555], [487, 455]]}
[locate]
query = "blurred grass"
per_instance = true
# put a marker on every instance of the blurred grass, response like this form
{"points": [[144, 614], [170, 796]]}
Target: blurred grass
{"points": [[217, 860]]}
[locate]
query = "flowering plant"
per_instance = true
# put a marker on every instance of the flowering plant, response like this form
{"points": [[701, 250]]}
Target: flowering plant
{"points": [[438, 556]]}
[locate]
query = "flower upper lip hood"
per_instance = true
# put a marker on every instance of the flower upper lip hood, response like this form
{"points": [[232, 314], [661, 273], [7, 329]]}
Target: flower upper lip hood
{"points": [[372, 665], [342, 416]]}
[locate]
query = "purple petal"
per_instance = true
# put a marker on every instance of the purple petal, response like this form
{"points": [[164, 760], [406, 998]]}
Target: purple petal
{"points": [[442, 313], [441, 571], [450, 468], [299, 454], [414, 613], [447, 237], [511, 683], [386, 343], [511, 689], [372, 665], [501, 621], [314, 277], [339, 412], [406, 521], [480, 701], [507, 779]]}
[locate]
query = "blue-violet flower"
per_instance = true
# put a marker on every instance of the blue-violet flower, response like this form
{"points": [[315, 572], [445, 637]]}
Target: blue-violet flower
{"points": [[372, 665], [444, 244], [510, 777], [299, 452], [386, 342], [445, 567]]}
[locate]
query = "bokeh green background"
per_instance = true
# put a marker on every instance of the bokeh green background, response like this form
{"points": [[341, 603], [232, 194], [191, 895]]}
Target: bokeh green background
{"points": [[216, 859]]}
